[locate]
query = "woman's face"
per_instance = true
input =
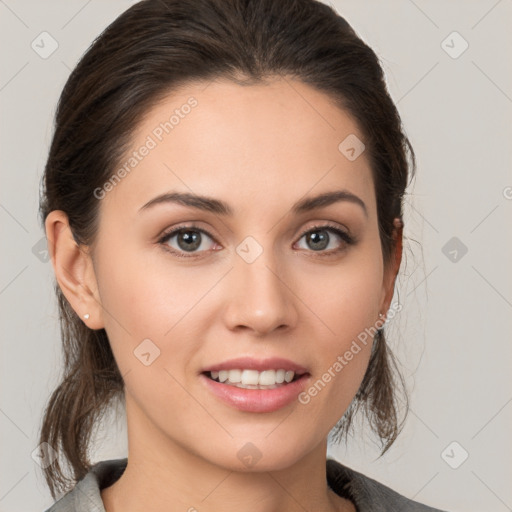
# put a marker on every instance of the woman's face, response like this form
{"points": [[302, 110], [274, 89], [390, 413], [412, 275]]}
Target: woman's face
{"points": [[244, 284]]}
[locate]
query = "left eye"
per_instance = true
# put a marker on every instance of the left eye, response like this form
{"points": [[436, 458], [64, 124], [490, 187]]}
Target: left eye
{"points": [[190, 240], [319, 240]]}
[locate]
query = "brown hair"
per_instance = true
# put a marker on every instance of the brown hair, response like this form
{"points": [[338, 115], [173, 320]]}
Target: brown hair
{"points": [[146, 53]]}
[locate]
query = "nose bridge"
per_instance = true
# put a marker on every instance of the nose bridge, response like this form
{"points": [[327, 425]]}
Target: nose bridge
{"points": [[261, 298]]}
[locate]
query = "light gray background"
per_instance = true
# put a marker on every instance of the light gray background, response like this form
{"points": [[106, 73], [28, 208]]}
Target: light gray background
{"points": [[453, 335]]}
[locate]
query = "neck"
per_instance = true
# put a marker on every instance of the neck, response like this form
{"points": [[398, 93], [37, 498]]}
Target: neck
{"points": [[162, 475]]}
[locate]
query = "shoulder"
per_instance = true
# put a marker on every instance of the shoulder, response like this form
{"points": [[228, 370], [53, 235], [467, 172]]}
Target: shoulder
{"points": [[85, 495], [367, 494]]}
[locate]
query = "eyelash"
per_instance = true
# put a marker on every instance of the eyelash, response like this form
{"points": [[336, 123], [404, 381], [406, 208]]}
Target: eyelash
{"points": [[348, 239]]}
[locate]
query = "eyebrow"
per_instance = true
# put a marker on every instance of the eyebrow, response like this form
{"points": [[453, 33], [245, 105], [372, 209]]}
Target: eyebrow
{"points": [[210, 204]]}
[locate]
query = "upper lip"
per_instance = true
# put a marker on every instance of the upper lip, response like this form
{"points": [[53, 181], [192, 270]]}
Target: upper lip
{"points": [[249, 363]]}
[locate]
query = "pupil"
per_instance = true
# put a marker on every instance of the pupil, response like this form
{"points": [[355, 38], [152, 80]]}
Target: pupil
{"points": [[319, 241], [189, 240]]}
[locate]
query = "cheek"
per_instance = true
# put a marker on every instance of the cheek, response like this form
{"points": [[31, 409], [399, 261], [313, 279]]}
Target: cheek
{"points": [[145, 292], [345, 300], [150, 323], [144, 298]]}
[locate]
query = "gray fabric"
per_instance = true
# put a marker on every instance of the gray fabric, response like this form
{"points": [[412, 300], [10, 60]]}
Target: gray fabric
{"points": [[367, 494]]}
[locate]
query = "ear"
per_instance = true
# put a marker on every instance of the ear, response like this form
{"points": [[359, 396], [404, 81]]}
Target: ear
{"points": [[392, 270], [73, 270]]}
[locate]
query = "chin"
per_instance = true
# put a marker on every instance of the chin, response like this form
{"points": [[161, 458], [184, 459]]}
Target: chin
{"points": [[259, 455]]}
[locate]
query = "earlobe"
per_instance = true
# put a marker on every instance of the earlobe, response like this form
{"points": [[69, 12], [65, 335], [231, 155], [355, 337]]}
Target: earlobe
{"points": [[73, 270]]}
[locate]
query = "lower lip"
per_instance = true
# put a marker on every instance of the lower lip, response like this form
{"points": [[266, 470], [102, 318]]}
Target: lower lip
{"points": [[257, 400]]}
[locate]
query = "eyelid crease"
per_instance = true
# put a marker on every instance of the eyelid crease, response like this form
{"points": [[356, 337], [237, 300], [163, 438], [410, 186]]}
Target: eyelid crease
{"points": [[345, 233]]}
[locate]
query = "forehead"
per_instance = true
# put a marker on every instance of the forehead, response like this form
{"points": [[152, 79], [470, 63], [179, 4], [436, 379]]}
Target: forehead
{"points": [[274, 141]]}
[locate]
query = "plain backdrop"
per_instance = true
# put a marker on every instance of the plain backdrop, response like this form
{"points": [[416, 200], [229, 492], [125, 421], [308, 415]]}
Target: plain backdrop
{"points": [[448, 68]]}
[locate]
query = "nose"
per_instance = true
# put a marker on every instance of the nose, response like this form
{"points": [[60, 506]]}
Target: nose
{"points": [[261, 299]]}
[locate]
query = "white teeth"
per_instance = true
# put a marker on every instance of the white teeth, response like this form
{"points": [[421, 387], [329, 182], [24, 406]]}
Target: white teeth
{"points": [[250, 378], [267, 378], [235, 376], [288, 376]]}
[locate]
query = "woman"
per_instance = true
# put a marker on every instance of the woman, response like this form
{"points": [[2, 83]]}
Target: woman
{"points": [[223, 207]]}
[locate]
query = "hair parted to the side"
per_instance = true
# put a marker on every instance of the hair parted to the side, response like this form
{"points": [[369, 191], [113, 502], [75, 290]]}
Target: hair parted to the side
{"points": [[150, 50]]}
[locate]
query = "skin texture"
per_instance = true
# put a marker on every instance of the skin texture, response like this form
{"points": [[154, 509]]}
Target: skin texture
{"points": [[259, 148]]}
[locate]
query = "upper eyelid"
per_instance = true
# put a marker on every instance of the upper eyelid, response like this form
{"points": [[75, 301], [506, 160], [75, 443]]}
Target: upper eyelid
{"points": [[325, 225], [166, 233]]}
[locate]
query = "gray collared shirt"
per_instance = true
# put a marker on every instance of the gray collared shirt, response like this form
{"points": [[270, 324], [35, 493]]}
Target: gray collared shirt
{"points": [[367, 494]]}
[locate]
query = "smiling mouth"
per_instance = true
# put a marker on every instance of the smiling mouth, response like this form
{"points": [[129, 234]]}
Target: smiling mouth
{"points": [[253, 379]]}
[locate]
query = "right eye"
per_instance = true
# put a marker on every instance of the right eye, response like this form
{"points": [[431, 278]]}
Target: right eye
{"points": [[188, 239]]}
